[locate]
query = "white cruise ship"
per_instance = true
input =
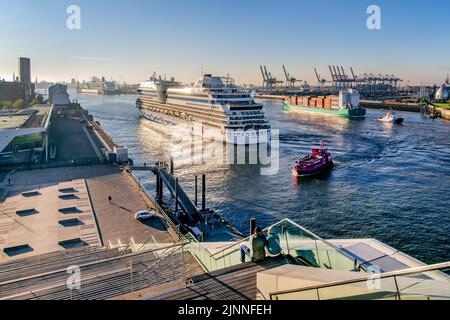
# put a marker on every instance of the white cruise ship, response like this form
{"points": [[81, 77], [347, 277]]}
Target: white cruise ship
{"points": [[213, 102]]}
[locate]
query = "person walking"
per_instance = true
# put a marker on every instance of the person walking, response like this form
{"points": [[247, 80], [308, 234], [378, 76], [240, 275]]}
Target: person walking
{"points": [[110, 199]]}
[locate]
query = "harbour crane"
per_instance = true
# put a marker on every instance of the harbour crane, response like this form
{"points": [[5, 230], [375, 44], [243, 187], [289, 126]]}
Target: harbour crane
{"points": [[333, 76], [354, 78], [290, 81], [264, 76], [321, 81], [338, 78], [268, 80], [346, 78], [341, 77]]}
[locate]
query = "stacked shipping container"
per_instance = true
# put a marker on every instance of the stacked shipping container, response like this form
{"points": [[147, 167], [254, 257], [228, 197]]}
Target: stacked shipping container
{"points": [[293, 101], [320, 102], [305, 101], [323, 102], [334, 102], [327, 103]]}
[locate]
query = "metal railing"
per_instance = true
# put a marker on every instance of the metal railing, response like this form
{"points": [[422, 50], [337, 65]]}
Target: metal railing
{"points": [[169, 253], [427, 282], [295, 241], [184, 201], [284, 224], [82, 162]]}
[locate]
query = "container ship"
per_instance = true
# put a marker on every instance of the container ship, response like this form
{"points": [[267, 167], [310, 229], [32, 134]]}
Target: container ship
{"points": [[346, 104], [212, 101]]}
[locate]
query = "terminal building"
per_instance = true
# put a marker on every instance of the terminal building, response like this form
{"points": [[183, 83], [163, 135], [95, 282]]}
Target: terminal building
{"points": [[58, 96], [24, 135]]}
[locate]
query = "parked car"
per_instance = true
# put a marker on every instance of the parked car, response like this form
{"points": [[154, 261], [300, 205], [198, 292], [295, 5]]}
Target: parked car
{"points": [[144, 215]]}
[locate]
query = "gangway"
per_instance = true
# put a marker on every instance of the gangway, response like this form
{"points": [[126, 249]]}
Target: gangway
{"points": [[168, 179]]}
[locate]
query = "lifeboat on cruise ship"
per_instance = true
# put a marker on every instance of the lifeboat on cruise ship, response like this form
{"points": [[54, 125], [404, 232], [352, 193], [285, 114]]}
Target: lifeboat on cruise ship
{"points": [[318, 162]]}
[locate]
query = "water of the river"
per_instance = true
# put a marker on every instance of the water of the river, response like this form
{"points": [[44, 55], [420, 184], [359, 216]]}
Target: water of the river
{"points": [[390, 182]]}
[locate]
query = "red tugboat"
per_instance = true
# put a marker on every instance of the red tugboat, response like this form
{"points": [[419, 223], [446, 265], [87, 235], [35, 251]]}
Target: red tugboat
{"points": [[319, 162]]}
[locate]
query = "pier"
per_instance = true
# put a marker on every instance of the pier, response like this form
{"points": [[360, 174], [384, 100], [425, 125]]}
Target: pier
{"points": [[214, 228], [196, 211], [182, 200], [391, 105]]}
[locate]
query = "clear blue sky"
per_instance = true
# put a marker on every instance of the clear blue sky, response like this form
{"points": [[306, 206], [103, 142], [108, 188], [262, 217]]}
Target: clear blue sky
{"points": [[133, 38]]}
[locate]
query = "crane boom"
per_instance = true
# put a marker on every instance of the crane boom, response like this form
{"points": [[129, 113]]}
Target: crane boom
{"points": [[317, 75], [286, 74], [332, 74], [338, 73], [343, 74], [263, 75], [353, 74]]}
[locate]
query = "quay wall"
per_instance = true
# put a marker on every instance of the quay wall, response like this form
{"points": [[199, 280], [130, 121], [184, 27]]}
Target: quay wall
{"points": [[171, 227], [411, 107], [269, 97], [445, 113]]}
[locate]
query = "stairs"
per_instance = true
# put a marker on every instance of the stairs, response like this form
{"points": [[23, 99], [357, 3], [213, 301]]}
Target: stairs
{"points": [[105, 274]]}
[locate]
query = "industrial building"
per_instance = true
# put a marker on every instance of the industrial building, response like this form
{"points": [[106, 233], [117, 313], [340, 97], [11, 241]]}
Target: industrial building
{"points": [[443, 93]]}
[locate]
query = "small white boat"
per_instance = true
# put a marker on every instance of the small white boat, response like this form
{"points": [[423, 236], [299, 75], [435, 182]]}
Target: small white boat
{"points": [[391, 118]]}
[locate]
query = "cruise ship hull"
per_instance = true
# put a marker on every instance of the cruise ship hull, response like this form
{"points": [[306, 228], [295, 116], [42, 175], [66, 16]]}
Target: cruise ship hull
{"points": [[347, 113], [213, 108], [185, 129]]}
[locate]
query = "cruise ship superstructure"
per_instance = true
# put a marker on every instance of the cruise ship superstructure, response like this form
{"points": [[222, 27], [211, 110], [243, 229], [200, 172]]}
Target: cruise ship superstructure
{"points": [[213, 102]]}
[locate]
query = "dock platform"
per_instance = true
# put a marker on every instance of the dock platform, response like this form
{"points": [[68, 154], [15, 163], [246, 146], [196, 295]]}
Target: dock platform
{"points": [[115, 220]]}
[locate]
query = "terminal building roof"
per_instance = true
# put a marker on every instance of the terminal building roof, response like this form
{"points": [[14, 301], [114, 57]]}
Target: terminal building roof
{"points": [[12, 121], [34, 117]]}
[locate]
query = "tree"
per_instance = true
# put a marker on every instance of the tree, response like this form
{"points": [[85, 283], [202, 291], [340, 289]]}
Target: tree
{"points": [[40, 98], [19, 104], [33, 103], [6, 104]]}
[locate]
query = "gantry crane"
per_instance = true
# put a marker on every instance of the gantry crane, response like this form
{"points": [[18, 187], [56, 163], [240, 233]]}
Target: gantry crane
{"points": [[268, 80], [290, 81]]}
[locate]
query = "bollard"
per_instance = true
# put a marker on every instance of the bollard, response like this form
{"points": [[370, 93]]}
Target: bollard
{"points": [[203, 193], [252, 226], [176, 195], [196, 191], [157, 186]]}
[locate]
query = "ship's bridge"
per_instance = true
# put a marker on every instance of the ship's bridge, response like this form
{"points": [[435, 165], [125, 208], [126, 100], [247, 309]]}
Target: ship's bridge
{"points": [[214, 82]]}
